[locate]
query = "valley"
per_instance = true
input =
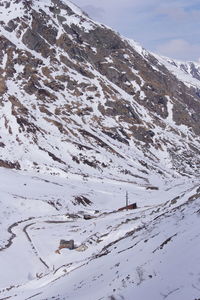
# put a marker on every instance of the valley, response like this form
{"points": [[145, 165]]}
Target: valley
{"points": [[134, 247], [90, 122]]}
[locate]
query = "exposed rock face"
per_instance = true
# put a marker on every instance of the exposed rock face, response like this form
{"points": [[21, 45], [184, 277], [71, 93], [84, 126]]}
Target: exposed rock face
{"points": [[77, 97], [3, 87]]}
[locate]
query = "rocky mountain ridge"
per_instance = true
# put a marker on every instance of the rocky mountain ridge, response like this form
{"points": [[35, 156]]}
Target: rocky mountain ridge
{"points": [[77, 97]]}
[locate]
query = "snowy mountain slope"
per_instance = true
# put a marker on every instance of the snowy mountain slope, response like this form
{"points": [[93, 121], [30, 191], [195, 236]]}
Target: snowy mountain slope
{"points": [[86, 116], [75, 95], [187, 72], [124, 254]]}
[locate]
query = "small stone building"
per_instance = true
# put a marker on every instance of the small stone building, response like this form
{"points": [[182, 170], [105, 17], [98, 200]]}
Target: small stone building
{"points": [[66, 244]]}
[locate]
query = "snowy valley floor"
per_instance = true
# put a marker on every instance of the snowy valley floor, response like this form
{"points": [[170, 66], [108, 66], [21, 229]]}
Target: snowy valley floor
{"points": [[151, 253]]}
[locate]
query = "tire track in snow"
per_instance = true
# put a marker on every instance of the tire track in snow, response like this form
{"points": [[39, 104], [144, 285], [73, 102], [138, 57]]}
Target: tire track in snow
{"points": [[13, 235], [32, 245]]}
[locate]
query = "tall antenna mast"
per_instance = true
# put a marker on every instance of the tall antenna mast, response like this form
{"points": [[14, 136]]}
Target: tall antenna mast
{"points": [[126, 199]]}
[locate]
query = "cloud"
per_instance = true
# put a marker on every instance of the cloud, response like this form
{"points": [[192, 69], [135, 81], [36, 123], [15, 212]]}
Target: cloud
{"points": [[179, 49], [178, 13]]}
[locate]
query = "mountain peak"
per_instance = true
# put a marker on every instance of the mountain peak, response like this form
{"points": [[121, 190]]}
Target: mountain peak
{"points": [[12, 10]]}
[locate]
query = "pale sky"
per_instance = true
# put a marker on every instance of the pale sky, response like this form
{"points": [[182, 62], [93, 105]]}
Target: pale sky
{"points": [[167, 27]]}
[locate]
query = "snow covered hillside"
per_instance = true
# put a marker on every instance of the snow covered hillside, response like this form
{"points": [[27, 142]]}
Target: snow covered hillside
{"points": [[86, 118], [76, 97], [152, 251]]}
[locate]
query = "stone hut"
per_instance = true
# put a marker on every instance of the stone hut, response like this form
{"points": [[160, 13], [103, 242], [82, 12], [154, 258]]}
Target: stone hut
{"points": [[66, 244]]}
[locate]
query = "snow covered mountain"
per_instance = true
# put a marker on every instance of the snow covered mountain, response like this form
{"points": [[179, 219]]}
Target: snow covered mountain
{"points": [[86, 115], [76, 96]]}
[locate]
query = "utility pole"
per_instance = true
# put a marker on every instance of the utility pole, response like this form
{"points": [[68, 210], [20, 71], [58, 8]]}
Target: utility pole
{"points": [[126, 200]]}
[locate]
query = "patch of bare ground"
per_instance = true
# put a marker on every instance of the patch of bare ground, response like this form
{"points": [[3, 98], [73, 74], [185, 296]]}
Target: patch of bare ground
{"points": [[10, 165], [81, 200]]}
